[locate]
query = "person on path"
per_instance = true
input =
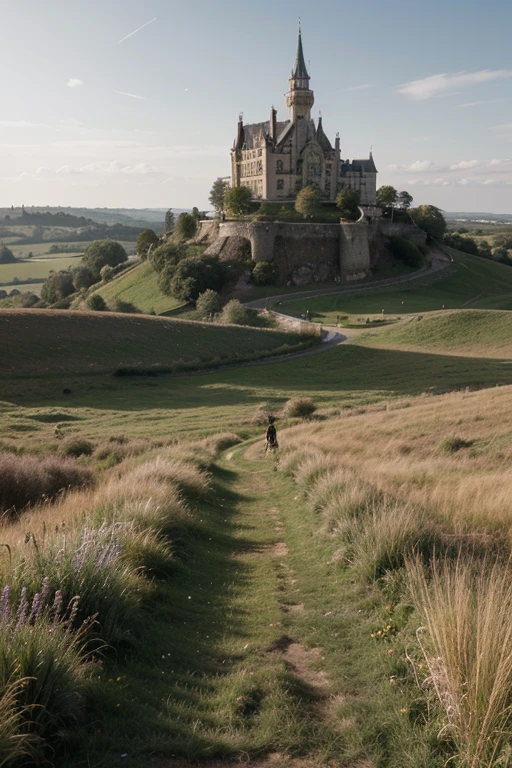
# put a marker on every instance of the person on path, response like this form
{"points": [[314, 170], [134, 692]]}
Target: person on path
{"points": [[271, 435]]}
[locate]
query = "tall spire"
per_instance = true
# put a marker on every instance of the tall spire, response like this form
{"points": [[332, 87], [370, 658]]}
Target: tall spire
{"points": [[300, 70]]}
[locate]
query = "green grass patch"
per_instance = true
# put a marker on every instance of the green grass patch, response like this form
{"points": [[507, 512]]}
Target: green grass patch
{"points": [[37, 268], [139, 287], [471, 280]]}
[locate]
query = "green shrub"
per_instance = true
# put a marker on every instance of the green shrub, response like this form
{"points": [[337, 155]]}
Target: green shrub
{"points": [[167, 254], [299, 407], [407, 251], [195, 274], [77, 446], [57, 287], [265, 273], [107, 273], [236, 314], [125, 306], [97, 303], [208, 303], [186, 225], [146, 240]]}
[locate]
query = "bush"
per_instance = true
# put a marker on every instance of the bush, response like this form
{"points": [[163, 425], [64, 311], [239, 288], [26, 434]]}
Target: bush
{"points": [[82, 277], [186, 226], [165, 255], [77, 446], [348, 204], [6, 255], [265, 273], [235, 313], [308, 201], [299, 407], [194, 275], [58, 286], [407, 251], [97, 303], [126, 306], [107, 273], [208, 303], [146, 240], [28, 479], [101, 253], [238, 200]]}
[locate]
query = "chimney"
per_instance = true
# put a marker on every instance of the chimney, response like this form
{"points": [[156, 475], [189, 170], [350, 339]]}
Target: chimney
{"points": [[337, 143], [273, 124]]}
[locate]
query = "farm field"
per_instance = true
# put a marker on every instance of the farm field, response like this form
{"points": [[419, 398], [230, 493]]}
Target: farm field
{"points": [[471, 281], [37, 268], [139, 287]]}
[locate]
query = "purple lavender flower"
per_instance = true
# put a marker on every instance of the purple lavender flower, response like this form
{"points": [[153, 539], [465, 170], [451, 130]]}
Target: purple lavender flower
{"points": [[22, 608]]}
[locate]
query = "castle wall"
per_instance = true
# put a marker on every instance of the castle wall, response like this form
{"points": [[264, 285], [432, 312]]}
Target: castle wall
{"points": [[306, 252]]}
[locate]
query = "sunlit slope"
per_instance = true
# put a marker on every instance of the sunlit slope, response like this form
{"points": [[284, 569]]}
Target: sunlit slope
{"points": [[139, 287], [472, 332], [470, 281], [41, 342]]}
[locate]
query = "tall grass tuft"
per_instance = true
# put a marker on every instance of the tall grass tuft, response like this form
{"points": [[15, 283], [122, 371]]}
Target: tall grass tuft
{"points": [[28, 480], [467, 607], [16, 742]]}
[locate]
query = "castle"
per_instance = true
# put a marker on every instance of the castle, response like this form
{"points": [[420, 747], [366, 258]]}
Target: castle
{"points": [[276, 159]]}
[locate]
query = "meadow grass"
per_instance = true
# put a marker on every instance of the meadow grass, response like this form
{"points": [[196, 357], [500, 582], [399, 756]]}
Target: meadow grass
{"points": [[84, 343], [473, 280], [37, 268], [139, 287]]}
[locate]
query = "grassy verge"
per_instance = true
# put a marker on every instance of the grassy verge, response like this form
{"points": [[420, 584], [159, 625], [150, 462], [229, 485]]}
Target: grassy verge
{"points": [[485, 284], [139, 287]]}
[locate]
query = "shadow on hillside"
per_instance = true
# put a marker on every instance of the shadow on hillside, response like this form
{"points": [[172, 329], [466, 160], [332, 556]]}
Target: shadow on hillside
{"points": [[337, 372]]}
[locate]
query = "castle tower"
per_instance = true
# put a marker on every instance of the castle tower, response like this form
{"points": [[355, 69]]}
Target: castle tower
{"points": [[300, 98]]}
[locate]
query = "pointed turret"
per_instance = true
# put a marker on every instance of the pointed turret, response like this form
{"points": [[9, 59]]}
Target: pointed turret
{"points": [[300, 98], [300, 71]]}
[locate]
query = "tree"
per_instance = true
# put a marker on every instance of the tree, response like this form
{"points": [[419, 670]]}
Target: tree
{"points": [[186, 226], [308, 201], [191, 276], [387, 196], [165, 254], [208, 303], [82, 277], [145, 240], [197, 214], [6, 255], [217, 194], [237, 200], [97, 303], [102, 252], [404, 200], [169, 222], [348, 202], [236, 314], [430, 219], [57, 287]]}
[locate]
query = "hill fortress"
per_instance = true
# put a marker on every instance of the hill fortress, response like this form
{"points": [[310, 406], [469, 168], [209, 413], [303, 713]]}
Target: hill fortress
{"points": [[276, 160]]}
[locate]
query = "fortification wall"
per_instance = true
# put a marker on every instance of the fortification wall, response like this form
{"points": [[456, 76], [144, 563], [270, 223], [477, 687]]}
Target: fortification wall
{"points": [[400, 229], [303, 252]]}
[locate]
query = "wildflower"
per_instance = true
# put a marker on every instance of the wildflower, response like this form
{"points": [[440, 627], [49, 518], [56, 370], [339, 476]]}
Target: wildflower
{"points": [[4, 604]]}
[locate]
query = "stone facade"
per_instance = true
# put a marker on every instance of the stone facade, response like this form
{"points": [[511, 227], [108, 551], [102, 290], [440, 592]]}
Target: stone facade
{"points": [[276, 159]]}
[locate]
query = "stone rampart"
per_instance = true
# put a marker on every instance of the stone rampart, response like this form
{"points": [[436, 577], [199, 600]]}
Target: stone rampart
{"points": [[303, 252]]}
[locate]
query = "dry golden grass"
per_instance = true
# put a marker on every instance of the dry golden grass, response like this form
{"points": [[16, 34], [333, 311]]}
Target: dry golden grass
{"points": [[398, 450], [467, 611]]}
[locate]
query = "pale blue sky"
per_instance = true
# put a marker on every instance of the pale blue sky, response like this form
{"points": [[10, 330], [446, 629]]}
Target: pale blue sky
{"points": [[149, 121]]}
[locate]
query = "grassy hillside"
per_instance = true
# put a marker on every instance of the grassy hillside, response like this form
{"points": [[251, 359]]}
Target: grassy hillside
{"points": [[41, 342], [476, 332], [139, 287], [472, 280]]}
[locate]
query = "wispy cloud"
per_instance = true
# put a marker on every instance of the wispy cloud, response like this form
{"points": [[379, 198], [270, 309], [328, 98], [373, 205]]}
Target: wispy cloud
{"points": [[136, 30], [462, 165], [477, 103], [21, 124], [74, 82], [436, 85], [131, 95], [359, 87]]}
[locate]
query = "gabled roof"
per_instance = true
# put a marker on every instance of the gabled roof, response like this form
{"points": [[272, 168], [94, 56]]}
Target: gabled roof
{"points": [[357, 166], [300, 65]]}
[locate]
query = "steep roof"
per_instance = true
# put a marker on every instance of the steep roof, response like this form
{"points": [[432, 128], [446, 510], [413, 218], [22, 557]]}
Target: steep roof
{"points": [[321, 137], [366, 166], [256, 129], [300, 65]]}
